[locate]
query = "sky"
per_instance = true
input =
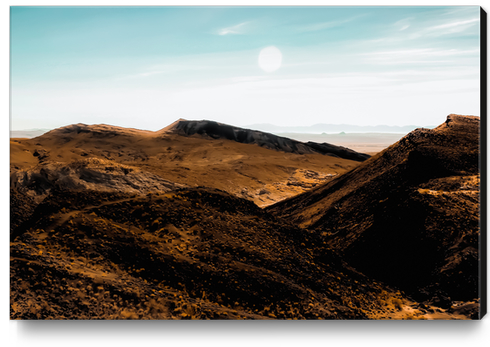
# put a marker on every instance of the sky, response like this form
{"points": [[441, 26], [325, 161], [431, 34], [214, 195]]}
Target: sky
{"points": [[145, 67]]}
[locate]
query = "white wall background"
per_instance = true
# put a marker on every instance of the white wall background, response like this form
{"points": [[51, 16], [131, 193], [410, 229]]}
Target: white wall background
{"points": [[276, 333]]}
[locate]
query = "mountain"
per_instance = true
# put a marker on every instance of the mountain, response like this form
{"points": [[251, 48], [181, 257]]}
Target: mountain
{"points": [[409, 215], [117, 223], [28, 133], [257, 166], [217, 130]]}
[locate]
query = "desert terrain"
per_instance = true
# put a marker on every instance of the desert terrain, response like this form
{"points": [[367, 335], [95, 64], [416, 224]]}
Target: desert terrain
{"points": [[369, 143], [202, 220], [190, 153]]}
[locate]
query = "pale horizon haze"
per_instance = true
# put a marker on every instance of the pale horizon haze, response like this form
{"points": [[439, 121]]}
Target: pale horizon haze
{"points": [[145, 67]]}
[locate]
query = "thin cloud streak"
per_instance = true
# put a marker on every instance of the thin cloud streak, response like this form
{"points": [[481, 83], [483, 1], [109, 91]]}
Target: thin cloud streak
{"points": [[446, 29], [163, 69], [454, 24], [421, 52], [403, 24], [410, 29], [326, 25], [236, 29]]}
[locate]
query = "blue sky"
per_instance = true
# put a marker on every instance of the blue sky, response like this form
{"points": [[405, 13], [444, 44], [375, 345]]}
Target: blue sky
{"points": [[146, 67]]}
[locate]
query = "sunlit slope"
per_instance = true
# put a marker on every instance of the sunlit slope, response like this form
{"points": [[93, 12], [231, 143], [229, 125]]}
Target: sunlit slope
{"points": [[255, 171]]}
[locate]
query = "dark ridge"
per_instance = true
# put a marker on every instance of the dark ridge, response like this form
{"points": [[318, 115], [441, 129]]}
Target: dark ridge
{"points": [[217, 130], [409, 215], [450, 149], [338, 151]]}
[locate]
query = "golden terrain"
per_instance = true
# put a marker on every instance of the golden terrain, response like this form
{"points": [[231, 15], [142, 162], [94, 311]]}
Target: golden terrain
{"points": [[259, 174], [114, 223]]}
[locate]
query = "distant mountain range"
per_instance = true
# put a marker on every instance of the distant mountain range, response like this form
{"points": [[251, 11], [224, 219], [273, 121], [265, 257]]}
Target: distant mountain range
{"points": [[336, 128], [28, 133], [312, 129]]}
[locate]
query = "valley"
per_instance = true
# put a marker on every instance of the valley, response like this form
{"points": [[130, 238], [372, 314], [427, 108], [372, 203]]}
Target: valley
{"points": [[202, 220]]}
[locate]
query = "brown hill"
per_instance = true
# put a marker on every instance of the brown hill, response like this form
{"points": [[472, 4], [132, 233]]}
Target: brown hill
{"points": [[409, 215], [244, 169], [186, 254], [109, 223]]}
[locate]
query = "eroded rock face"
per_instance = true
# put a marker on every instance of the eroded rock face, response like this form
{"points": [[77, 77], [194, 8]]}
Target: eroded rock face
{"points": [[88, 174]]}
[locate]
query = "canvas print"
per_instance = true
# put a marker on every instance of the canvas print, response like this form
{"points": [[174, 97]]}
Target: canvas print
{"points": [[242, 163]]}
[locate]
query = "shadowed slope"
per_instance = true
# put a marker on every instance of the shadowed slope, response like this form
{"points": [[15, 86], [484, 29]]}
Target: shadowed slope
{"points": [[187, 254], [408, 215]]}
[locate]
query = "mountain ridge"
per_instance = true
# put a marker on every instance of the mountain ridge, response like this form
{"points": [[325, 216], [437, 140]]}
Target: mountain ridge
{"points": [[406, 201], [218, 130]]}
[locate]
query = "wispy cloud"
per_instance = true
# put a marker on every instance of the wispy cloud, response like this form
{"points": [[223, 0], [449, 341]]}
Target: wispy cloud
{"points": [[418, 56], [411, 29], [421, 52], [161, 69], [459, 26], [326, 25], [320, 26], [403, 24], [235, 29], [447, 28], [246, 79], [141, 75]]}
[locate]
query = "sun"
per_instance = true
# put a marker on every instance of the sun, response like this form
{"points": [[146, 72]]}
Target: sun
{"points": [[270, 59]]}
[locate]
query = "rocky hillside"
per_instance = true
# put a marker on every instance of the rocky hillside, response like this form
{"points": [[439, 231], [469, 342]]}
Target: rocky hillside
{"points": [[116, 223], [186, 254], [409, 215]]}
